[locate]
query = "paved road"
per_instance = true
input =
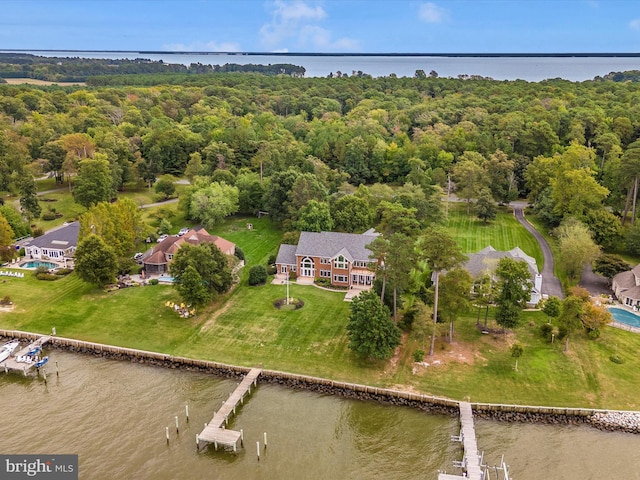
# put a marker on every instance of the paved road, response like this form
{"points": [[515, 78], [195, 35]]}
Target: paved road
{"points": [[550, 283]]}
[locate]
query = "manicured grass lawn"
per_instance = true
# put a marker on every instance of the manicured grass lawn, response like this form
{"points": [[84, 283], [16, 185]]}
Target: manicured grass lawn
{"points": [[243, 327], [504, 233]]}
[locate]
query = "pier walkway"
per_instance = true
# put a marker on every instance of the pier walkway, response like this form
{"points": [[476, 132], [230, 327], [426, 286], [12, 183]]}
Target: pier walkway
{"points": [[215, 431], [12, 365], [471, 460]]}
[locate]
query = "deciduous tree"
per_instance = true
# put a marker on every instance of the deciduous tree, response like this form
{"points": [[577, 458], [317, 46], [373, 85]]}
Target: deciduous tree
{"points": [[94, 183], [514, 290], [371, 332], [95, 261], [209, 262]]}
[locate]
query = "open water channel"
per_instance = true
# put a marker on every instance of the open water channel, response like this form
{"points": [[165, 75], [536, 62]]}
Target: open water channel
{"points": [[113, 415]]}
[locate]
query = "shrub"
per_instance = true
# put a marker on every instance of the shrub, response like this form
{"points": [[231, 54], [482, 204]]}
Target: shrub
{"points": [[257, 275], [418, 355], [153, 281], [49, 215], [239, 253], [271, 260], [37, 232], [293, 276], [63, 271], [593, 333], [271, 269], [546, 330], [323, 282], [562, 332], [40, 270], [615, 358], [46, 276], [6, 300]]}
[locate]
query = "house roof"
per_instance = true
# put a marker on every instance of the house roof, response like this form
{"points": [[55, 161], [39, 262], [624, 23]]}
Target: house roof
{"points": [[632, 293], [286, 254], [329, 244], [486, 261], [172, 244], [61, 238], [625, 280]]}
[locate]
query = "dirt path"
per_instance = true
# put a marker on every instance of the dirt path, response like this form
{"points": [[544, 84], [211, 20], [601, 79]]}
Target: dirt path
{"points": [[550, 283]]}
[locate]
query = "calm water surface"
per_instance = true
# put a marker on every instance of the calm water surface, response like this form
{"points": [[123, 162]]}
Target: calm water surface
{"points": [[499, 68], [114, 414]]}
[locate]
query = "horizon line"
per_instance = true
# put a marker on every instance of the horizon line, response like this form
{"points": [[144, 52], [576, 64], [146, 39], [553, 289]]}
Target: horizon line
{"points": [[336, 54]]}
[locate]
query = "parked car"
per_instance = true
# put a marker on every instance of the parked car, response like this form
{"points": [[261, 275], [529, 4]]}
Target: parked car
{"points": [[138, 256], [162, 237], [183, 231]]}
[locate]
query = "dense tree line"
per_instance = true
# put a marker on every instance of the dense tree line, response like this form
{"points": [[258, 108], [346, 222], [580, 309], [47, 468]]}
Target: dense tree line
{"points": [[304, 149], [77, 69]]}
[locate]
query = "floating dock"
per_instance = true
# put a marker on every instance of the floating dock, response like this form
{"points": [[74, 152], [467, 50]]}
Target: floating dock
{"points": [[215, 431], [12, 365]]}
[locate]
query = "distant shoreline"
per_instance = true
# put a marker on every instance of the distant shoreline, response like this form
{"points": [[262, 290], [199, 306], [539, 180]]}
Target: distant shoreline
{"points": [[317, 54]]}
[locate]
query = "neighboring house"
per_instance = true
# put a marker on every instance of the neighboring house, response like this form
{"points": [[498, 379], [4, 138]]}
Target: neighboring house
{"points": [[486, 261], [54, 245], [341, 257], [158, 260], [626, 286]]}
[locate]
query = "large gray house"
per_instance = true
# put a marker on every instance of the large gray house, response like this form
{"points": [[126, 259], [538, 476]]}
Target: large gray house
{"points": [[486, 261], [54, 245], [342, 258]]}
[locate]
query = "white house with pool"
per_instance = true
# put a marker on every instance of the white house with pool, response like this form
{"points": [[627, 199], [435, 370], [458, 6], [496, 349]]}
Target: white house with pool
{"points": [[54, 245], [626, 286]]}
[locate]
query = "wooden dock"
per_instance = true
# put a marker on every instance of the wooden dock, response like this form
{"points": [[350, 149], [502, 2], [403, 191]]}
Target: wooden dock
{"points": [[471, 460], [12, 365], [215, 431]]}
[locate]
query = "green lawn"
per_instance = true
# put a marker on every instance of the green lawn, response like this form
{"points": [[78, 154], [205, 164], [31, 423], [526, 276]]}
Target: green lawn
{"points": [[243, 327], [504, 233]]}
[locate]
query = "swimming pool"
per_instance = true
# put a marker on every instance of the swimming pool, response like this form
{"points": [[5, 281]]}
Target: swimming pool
{"points": [[165, 279], [624, 316], [38, 263]]}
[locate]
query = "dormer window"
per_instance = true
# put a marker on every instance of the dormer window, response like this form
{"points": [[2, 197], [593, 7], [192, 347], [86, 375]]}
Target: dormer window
{"points": [[340, 262]]}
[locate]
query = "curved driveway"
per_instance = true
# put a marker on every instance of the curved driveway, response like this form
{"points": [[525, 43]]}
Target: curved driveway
{"points": [[550, 283]]}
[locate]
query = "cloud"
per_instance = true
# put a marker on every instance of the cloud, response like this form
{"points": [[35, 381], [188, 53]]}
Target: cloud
{"points": [[211, 46], [431, 13], [635, 24], [299, 22]]}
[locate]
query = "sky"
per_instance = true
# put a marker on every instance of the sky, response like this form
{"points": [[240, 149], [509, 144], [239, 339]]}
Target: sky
{"points": [[328, 26]]}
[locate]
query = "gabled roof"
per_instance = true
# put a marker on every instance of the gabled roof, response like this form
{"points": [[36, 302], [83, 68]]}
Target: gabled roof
{"points": [[625, 280], [61, 238], [172, 244], [486, 261], [286, 254], [330, 244]]}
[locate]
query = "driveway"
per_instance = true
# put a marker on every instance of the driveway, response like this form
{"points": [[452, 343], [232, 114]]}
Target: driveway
{"points": [[550, 283]]}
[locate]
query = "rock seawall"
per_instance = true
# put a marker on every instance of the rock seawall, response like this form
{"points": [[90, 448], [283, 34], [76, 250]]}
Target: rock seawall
{"points": [[625, 421]]}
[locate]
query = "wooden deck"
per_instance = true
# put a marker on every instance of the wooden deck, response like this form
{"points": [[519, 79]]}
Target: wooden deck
{"points": [[215, 431], [11, 365]]}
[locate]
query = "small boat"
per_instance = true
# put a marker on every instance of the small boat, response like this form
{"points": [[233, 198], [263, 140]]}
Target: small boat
{"points": [[41, 363], [7, 349], [34, 351]]}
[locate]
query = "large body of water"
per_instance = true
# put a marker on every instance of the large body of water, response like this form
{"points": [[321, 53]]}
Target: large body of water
{"points": [[574, 68], [113, 415]]}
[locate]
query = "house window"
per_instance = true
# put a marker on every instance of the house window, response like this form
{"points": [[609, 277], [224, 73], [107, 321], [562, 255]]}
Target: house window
{"points": [[170, 256], [325, 273], [45, 251], [340, 262], [360, 264], [283, 269], [307, 267], [325, 261], [340, 278]]}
